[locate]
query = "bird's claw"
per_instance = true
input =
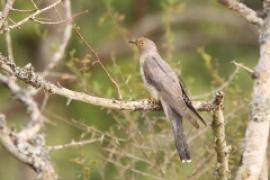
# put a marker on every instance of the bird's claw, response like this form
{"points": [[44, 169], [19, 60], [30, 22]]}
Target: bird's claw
{"points": [[153, 101]]}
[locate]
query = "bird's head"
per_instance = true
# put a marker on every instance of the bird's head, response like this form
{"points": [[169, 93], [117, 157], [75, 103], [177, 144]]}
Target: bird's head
{"points": [[144, 44]]}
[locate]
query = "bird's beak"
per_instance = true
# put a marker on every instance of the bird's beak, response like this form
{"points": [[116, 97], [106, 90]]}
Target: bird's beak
{"points": [[132, 41]]}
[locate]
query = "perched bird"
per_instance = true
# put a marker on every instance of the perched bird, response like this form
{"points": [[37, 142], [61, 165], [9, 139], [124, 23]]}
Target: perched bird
{"points": [[164, 86]]}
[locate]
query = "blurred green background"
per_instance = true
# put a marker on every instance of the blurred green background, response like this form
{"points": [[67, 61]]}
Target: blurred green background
{"points": [[199, 39]]}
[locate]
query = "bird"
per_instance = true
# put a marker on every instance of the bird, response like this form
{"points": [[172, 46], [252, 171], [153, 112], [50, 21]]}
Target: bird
{"points": [[164, 86]]}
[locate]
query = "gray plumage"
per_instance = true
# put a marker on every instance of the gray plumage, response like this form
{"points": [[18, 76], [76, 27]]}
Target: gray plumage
{"points": [[163, 84]]}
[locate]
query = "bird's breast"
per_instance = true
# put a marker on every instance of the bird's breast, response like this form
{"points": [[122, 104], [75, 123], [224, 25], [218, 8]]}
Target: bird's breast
{"points": [[150, 88]]}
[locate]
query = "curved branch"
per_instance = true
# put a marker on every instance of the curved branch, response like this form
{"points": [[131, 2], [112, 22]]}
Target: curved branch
{"points": [[32, 16], [60, 37], [26, 152], [28, 75], [249, 14]]}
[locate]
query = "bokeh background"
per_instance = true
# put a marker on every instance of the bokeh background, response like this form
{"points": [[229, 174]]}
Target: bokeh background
{"points": [[200, 39]]}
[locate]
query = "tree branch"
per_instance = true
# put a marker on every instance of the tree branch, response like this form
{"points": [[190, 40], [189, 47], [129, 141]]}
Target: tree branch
{"points": [[5, 12], [73, 144], [28, 75], [247, 69], [62, 38], [27, 145], [257, 132], [32, 16], [28, 152], [249, 14], [36, 119], [222, 150]]}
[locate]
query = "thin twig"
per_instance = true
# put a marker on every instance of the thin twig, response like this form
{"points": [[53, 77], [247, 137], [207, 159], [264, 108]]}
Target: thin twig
{"points": [[90, 48], [249, 70], [72, 144], [65, 36], [228, 117], [129, 155], [222, 87], [32, 16], [5, 12], [34, 4], [133, 169], [60, 21], [22, 10], [87, 129], [9, 44], [201, 167]]}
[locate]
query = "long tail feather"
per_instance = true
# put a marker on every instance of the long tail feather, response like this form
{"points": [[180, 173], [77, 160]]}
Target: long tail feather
{"points": [[178, 131]]}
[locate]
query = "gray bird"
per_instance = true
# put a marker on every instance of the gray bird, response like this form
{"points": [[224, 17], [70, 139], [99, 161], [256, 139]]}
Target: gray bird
{"points": [[164, 86]]}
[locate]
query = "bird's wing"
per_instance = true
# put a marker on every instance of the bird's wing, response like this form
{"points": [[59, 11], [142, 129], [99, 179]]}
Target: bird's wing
{"points": [[160, 75], [189, 104]]}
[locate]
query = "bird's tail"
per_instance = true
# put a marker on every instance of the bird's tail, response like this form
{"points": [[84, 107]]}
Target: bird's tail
{"points": [[178, 131]]}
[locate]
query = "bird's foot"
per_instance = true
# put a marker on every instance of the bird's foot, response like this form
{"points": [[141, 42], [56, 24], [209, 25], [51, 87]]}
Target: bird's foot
{"points": [[153, 101]]}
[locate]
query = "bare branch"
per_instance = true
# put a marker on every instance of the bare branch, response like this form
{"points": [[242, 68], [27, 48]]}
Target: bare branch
{"points": [[32, 16], [30, 153], [200, 168], [133, 169], [57, 22], [129, 155], [23, 10], [72, 144], [249, 14], [27, 145], [36, 119], [27, 75], [222, 86], [9, 43], [257, 132], [34, 4], [222, 150], [65, 36], [5, 12], [4, 23], [249, 70], [99, 62]]}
